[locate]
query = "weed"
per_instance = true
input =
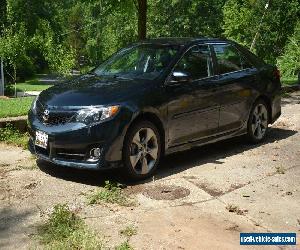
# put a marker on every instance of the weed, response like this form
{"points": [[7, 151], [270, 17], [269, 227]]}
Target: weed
{"points": [[29, 167], [235, 209], [124, 246], [65, 230], [10, 135], [280, 170], [111, 193], [129, 231]]}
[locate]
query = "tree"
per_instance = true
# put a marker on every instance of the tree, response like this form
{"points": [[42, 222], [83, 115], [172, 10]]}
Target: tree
{"points": [[142, 19], [242, 18], [13, 46], [185, 18], [289, 63], [60, 57]]}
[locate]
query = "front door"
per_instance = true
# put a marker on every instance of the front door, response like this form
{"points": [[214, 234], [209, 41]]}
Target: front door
{"points": [[193, 108]]}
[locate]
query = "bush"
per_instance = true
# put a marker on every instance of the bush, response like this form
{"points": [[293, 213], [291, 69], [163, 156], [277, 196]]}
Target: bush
{"points": [[289, 63]]}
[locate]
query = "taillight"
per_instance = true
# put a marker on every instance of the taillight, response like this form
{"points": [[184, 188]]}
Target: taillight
{"points": [[277, 74]]}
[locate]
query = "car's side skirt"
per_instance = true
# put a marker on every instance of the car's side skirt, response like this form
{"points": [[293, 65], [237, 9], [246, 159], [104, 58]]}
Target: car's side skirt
{"points": [[206, 141]]}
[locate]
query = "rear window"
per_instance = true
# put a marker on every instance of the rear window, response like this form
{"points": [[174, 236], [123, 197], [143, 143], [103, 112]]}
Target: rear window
{"points": [[254, 59], [228, 58]]}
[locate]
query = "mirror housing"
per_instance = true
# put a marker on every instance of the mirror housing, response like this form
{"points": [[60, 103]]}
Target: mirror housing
{"points": [[179, 77]]}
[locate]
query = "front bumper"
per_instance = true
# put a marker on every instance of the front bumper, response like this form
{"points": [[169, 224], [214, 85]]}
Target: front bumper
{"points": [[69, 144], [72, 163]]}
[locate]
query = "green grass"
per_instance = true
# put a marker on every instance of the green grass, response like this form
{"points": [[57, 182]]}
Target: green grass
{"points": [[111, 193], [10, 135], [124, 246], [32, 85], [289, 81], [66, 230], [15, 106], [129, 231]]}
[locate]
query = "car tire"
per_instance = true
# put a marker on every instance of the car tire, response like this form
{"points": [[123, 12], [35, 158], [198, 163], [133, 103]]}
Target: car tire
{"points": [[258, 122], [142, 150]]}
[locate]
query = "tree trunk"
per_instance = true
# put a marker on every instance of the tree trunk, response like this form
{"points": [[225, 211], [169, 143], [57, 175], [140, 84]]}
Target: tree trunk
{"points": [[142, 19], [15, 78]]}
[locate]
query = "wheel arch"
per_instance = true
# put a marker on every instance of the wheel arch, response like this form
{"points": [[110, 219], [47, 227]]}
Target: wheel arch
{"points": [[267, 100], [151, 117]]}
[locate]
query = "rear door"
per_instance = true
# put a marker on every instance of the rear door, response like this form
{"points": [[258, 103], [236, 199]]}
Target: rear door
{"points": [[236, 75], [193, 109]]}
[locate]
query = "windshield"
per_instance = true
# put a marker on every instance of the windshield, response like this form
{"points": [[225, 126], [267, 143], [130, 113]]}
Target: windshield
{"points": [[145, 61]]}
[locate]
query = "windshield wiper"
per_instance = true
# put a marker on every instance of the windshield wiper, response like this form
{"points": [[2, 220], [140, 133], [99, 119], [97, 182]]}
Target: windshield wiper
{"points": [[92, 73], [120, 77]]}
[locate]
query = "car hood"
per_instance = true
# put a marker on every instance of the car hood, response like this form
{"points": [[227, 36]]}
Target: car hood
{"points": [[91, 90]]}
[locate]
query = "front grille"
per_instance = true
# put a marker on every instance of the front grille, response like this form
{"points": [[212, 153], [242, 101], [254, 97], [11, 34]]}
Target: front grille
{"points": [[71, 154], [53, 117], [42, 151]]}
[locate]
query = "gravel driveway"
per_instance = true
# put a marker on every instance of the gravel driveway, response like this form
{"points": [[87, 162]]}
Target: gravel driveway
{"points": [[199, 199]]}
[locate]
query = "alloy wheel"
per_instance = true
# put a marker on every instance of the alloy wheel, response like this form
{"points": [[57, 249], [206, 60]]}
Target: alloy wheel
{"points": [[144, 151], [259, 123]]}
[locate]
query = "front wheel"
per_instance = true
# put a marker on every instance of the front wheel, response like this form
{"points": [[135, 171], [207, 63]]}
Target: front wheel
{"points": [[258, 122], [142, 150]]}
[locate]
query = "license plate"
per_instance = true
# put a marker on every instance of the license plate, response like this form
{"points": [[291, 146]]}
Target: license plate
{"points": [[41, 139]]}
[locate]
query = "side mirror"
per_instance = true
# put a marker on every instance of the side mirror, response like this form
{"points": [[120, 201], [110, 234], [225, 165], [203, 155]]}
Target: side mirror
{"points": [[179, 77]]}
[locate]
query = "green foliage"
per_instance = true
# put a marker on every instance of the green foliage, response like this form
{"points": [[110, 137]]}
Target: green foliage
{"points": [[124, 246], [15, 106], [13, 47], [129, 231], [65, 230], [64, 35], [289, 80], [60, 58], [242, 19], [289, 63], [111, 193], [60, 225], [12, 136], [185, 18]]}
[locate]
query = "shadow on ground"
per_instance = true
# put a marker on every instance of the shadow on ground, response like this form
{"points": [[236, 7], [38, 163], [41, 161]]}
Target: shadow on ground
{"points": [[293, 98], [11, 220], [170, 165]]}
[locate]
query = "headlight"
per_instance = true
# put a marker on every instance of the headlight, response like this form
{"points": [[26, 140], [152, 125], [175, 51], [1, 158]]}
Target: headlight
{"points": [[92, 115]]}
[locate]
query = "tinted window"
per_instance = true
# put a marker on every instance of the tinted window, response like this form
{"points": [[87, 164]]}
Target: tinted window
{"points": [[246, 64], [196, 62], [143, 61], [228, 58]]}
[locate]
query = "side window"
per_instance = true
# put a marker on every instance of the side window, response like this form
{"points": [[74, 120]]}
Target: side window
{"points": [[246, 64], [196, 62], [228, 58]]}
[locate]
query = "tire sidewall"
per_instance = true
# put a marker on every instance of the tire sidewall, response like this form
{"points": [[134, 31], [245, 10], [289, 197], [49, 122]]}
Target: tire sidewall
{"points": [[129, 171]]}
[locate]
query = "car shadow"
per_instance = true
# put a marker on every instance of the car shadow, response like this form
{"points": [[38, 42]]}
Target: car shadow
{"points": [[215, 153], [170, 165], [11, 220]]}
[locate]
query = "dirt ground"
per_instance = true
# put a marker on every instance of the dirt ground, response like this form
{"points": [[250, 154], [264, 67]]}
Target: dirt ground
{"points": [[185, 206]]}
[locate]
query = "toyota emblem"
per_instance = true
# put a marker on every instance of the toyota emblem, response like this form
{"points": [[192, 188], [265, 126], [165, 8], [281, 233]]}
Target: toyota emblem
{"points": [[46, 115]]}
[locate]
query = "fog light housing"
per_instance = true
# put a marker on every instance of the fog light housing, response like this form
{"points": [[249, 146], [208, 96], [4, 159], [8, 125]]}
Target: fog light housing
{"points": [[95, 154]]}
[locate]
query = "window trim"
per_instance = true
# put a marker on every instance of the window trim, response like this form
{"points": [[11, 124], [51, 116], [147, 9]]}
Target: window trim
{"points": [[184, 53], [237, 50]]}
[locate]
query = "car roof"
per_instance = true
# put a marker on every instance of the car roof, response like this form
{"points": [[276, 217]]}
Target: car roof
{"points": [[181, 41]]}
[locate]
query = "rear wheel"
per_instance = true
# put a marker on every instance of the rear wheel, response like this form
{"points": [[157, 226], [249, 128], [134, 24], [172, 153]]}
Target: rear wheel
{"points": [[142, 150], [258, 122]]}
